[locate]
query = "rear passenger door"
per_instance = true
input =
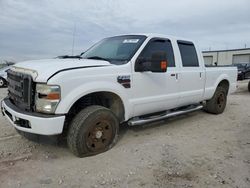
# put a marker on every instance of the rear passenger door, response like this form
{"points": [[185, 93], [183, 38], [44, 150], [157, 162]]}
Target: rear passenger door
{"points": [[191, 75]]}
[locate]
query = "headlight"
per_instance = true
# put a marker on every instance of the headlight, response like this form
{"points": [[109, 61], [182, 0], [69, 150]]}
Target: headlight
{"points": [[47, 98], [239, 72]]}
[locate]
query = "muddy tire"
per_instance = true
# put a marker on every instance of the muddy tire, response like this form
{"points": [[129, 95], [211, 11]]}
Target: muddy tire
{"points": [[249, 86], [217, 104], [92, 131]]}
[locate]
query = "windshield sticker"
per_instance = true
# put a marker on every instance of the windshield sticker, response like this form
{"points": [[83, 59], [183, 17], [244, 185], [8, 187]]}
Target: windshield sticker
{"points": [[130, 40]]}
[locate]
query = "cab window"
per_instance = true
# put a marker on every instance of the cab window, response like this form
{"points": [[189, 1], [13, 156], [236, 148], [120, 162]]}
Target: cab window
{"points": [[159, 45], [188, 54]]}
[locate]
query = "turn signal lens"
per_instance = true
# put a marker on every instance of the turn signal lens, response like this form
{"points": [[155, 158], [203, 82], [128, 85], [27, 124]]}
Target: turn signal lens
{"points": [[164, 65], [50, 96]]}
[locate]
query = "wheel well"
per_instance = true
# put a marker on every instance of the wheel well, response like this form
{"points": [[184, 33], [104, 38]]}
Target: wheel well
{"points": [[3, 79], [224, 84], [106, 99]]}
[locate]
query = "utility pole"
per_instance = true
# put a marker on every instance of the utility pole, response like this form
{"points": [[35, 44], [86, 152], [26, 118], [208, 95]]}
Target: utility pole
{"points": [[73, 39]]}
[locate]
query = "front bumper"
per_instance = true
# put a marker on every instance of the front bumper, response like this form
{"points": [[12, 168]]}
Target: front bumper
{"points": [[32, 122]]}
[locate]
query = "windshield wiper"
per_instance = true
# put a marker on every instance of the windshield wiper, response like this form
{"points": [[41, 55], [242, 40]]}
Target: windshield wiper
{"points": [[98, 57], [69, 56]]}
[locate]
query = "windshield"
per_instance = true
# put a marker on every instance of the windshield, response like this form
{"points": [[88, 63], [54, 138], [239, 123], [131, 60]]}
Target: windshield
{"points": [[3, 66], [4, 69], [117, 50]]}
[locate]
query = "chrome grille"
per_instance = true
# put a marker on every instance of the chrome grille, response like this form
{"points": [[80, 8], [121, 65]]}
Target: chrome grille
{"points": [[20, 89]]}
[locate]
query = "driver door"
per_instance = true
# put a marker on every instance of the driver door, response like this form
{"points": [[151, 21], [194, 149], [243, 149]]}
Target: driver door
{"points": [[155, 92]]}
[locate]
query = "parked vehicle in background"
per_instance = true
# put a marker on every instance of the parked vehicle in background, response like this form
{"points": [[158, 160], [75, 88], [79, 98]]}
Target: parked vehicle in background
{"points": [[130, 78], [6, 64], [247, 73], [243, 70], [3, 76]]}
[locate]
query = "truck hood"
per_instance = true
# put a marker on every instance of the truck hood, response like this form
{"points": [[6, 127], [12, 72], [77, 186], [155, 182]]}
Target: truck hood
{"points": [[42, 70]]}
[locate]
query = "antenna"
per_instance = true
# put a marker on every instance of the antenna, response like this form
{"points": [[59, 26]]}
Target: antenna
{"points": [[73, 39]]}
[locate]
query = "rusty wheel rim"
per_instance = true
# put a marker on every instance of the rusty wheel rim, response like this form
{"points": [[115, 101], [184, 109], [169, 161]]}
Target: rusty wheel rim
{"points": [[220, 100], [99, 136]]}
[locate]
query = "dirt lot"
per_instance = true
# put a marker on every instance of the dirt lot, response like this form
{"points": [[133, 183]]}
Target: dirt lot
{"points": [[194, 150]]}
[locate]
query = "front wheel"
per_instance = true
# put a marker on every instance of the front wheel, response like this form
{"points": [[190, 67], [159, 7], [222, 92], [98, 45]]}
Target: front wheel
{"points": [[217, 104], [93, 130], [2, 82]]}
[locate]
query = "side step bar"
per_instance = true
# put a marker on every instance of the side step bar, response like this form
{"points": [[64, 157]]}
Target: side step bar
{"points": [[138, 121]]}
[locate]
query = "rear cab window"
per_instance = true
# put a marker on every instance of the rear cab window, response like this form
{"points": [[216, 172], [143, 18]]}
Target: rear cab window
{"points": [[188, 54]]}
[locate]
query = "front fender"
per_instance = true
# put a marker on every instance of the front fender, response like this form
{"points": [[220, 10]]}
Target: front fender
{"points": [[70, 97], [3, 77]]}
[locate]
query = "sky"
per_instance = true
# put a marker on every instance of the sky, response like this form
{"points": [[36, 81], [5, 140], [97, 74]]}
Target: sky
{"points": [[31, 29]]}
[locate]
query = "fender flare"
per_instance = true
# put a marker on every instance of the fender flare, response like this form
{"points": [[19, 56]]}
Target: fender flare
{"points": [[220, 79], [88, 88]]}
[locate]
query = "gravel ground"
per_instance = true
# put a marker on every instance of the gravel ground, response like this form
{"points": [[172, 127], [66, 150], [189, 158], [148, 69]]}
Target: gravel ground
{"points": [[193, 150]]}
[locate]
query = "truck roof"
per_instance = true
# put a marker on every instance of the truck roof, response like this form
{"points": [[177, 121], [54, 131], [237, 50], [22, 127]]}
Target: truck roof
{"points": [[158, 35]]}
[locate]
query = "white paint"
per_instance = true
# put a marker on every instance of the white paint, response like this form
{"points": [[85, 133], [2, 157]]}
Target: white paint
{"points": [[43, 126], [149, 92]]}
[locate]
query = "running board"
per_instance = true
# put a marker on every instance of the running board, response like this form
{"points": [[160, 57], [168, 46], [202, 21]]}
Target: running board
{"points": [[140, 121]]}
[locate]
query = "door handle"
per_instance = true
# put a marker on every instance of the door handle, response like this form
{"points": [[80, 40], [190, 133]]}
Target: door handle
{"points": [[174, 75]]}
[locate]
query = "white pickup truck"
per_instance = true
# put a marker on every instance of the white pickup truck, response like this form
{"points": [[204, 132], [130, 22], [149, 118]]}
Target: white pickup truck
{"points": [[130, 78]]}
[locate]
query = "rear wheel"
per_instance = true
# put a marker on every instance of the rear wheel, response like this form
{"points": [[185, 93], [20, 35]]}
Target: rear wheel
{"points": [[217, 104], [94, 130], [249, 86]]}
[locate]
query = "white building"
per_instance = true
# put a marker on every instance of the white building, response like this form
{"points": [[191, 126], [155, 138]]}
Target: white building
{"points": [[227, 57]]}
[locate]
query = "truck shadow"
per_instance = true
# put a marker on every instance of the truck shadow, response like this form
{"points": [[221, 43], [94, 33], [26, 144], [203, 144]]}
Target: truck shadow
{"points": [[166, 124], [57, 140]]}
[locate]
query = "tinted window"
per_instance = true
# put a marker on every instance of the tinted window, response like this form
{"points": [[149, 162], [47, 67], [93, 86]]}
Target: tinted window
{"points": [[159, 45], [188, 54]]}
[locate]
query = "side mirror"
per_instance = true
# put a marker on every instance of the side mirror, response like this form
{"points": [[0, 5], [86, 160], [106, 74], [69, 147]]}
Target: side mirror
{"points": [[157, 63]]}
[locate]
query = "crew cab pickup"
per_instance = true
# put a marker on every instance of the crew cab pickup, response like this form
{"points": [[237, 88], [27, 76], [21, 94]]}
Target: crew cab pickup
{"points": [[131, 79]]}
